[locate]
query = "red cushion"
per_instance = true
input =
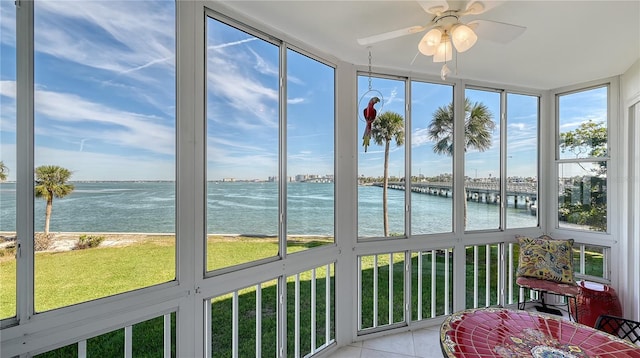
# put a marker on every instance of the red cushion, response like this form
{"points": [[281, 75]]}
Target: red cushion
{"points": [[548, 286]]}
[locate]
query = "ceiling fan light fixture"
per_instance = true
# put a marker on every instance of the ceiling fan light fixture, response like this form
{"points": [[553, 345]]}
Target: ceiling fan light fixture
{"points": [[430, 42], [444, 52], [463, 37]]}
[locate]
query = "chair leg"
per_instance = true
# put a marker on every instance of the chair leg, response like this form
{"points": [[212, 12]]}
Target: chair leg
{"points": [[575, 308]]}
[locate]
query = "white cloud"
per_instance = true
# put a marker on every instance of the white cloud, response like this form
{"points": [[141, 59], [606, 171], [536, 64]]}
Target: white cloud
{"points": [[65, 115], [105, 36]]}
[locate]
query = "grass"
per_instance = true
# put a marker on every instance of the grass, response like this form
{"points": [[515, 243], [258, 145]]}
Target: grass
{"points": [[71, 277]]}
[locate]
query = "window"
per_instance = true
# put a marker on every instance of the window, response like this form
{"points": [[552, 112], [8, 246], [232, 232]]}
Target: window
{"points": [[482, 159], [8, 160], [247, 177], [522, 160], [243, 82], [310, 152], [104, 149], [431, 158], [582, 159], [381, 158]]}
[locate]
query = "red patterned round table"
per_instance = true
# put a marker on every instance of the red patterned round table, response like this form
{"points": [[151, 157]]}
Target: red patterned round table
{"points": [[498, 332]]}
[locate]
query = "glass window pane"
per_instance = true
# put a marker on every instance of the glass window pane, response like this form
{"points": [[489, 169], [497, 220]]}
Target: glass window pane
{"points": [[381, 155], [310, 152], [522, 161], [582, 200], [431, 168], [8, 159], [242, 146], [104, 148], [482, 160], [583, 124]]}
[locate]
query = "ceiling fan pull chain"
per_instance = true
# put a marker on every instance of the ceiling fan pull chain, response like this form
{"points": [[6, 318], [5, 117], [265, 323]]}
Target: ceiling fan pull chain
{"points": [[369, 68]]}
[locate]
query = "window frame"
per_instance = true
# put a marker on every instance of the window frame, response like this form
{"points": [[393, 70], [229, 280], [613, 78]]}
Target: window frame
{"points": [[610, 85]]}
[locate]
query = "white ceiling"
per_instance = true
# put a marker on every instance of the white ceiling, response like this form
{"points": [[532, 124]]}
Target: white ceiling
{"points": [[566, 42]]}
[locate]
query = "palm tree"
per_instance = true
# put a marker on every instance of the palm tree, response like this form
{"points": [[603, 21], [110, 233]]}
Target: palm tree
{"points": [[386, 127], [3, 171], [51, 181], [478, 128]]}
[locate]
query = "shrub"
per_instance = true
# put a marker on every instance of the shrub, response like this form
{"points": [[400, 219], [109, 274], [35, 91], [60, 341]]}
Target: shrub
{"points": [[9, 250], [42, 241], [88, 241]]}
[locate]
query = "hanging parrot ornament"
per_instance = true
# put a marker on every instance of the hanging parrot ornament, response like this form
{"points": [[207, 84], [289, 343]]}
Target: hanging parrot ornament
{"points": [[369, 116]]}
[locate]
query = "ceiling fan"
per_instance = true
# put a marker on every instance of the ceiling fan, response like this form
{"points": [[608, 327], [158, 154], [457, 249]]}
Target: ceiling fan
{"points": [[445, 27]]}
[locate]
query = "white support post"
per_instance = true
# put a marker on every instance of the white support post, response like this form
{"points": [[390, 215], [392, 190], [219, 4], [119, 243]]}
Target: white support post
{"points": [[128, 341], [433, 283], [82, 349], [167, 335], [259, 320], [419, 285]]}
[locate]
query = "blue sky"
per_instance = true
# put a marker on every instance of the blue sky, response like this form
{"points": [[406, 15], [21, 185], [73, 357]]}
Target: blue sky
{"points": [[105, 102]]}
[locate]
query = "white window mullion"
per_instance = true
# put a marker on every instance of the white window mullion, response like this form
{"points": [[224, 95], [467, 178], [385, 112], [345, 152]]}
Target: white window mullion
{"points": [[25, 160]]}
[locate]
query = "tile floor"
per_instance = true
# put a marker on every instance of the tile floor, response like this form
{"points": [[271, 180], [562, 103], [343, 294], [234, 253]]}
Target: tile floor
{"points": [[424, 343]]}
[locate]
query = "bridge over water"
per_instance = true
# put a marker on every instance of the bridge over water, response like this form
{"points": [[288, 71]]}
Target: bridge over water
{"points": [[482, 192]]}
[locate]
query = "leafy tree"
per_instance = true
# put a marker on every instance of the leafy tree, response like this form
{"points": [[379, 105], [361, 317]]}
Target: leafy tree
{"points": [[3, 171], [588, 140], [386, 127], [51, 181], [478, 128]]}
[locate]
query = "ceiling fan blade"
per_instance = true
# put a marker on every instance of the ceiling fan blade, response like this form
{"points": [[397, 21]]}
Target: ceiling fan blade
{"points": [[391, 35], [435, 7], [499, 32], [476, 7]]}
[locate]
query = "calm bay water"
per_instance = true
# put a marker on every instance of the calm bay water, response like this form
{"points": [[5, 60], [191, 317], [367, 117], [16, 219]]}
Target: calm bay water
{"points": [[243, 208]]}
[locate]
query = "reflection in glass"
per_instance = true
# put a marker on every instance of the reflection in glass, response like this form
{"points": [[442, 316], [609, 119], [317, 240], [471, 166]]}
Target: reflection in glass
{"points": [[582, 196], [379, 143], [482, 160], [242, 147], [582, 121], [310, 152], [105, 115], [431, 170], [522, 161]]}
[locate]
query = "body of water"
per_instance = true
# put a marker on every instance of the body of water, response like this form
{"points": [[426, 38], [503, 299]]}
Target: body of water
{"points": [[246, 208]]}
